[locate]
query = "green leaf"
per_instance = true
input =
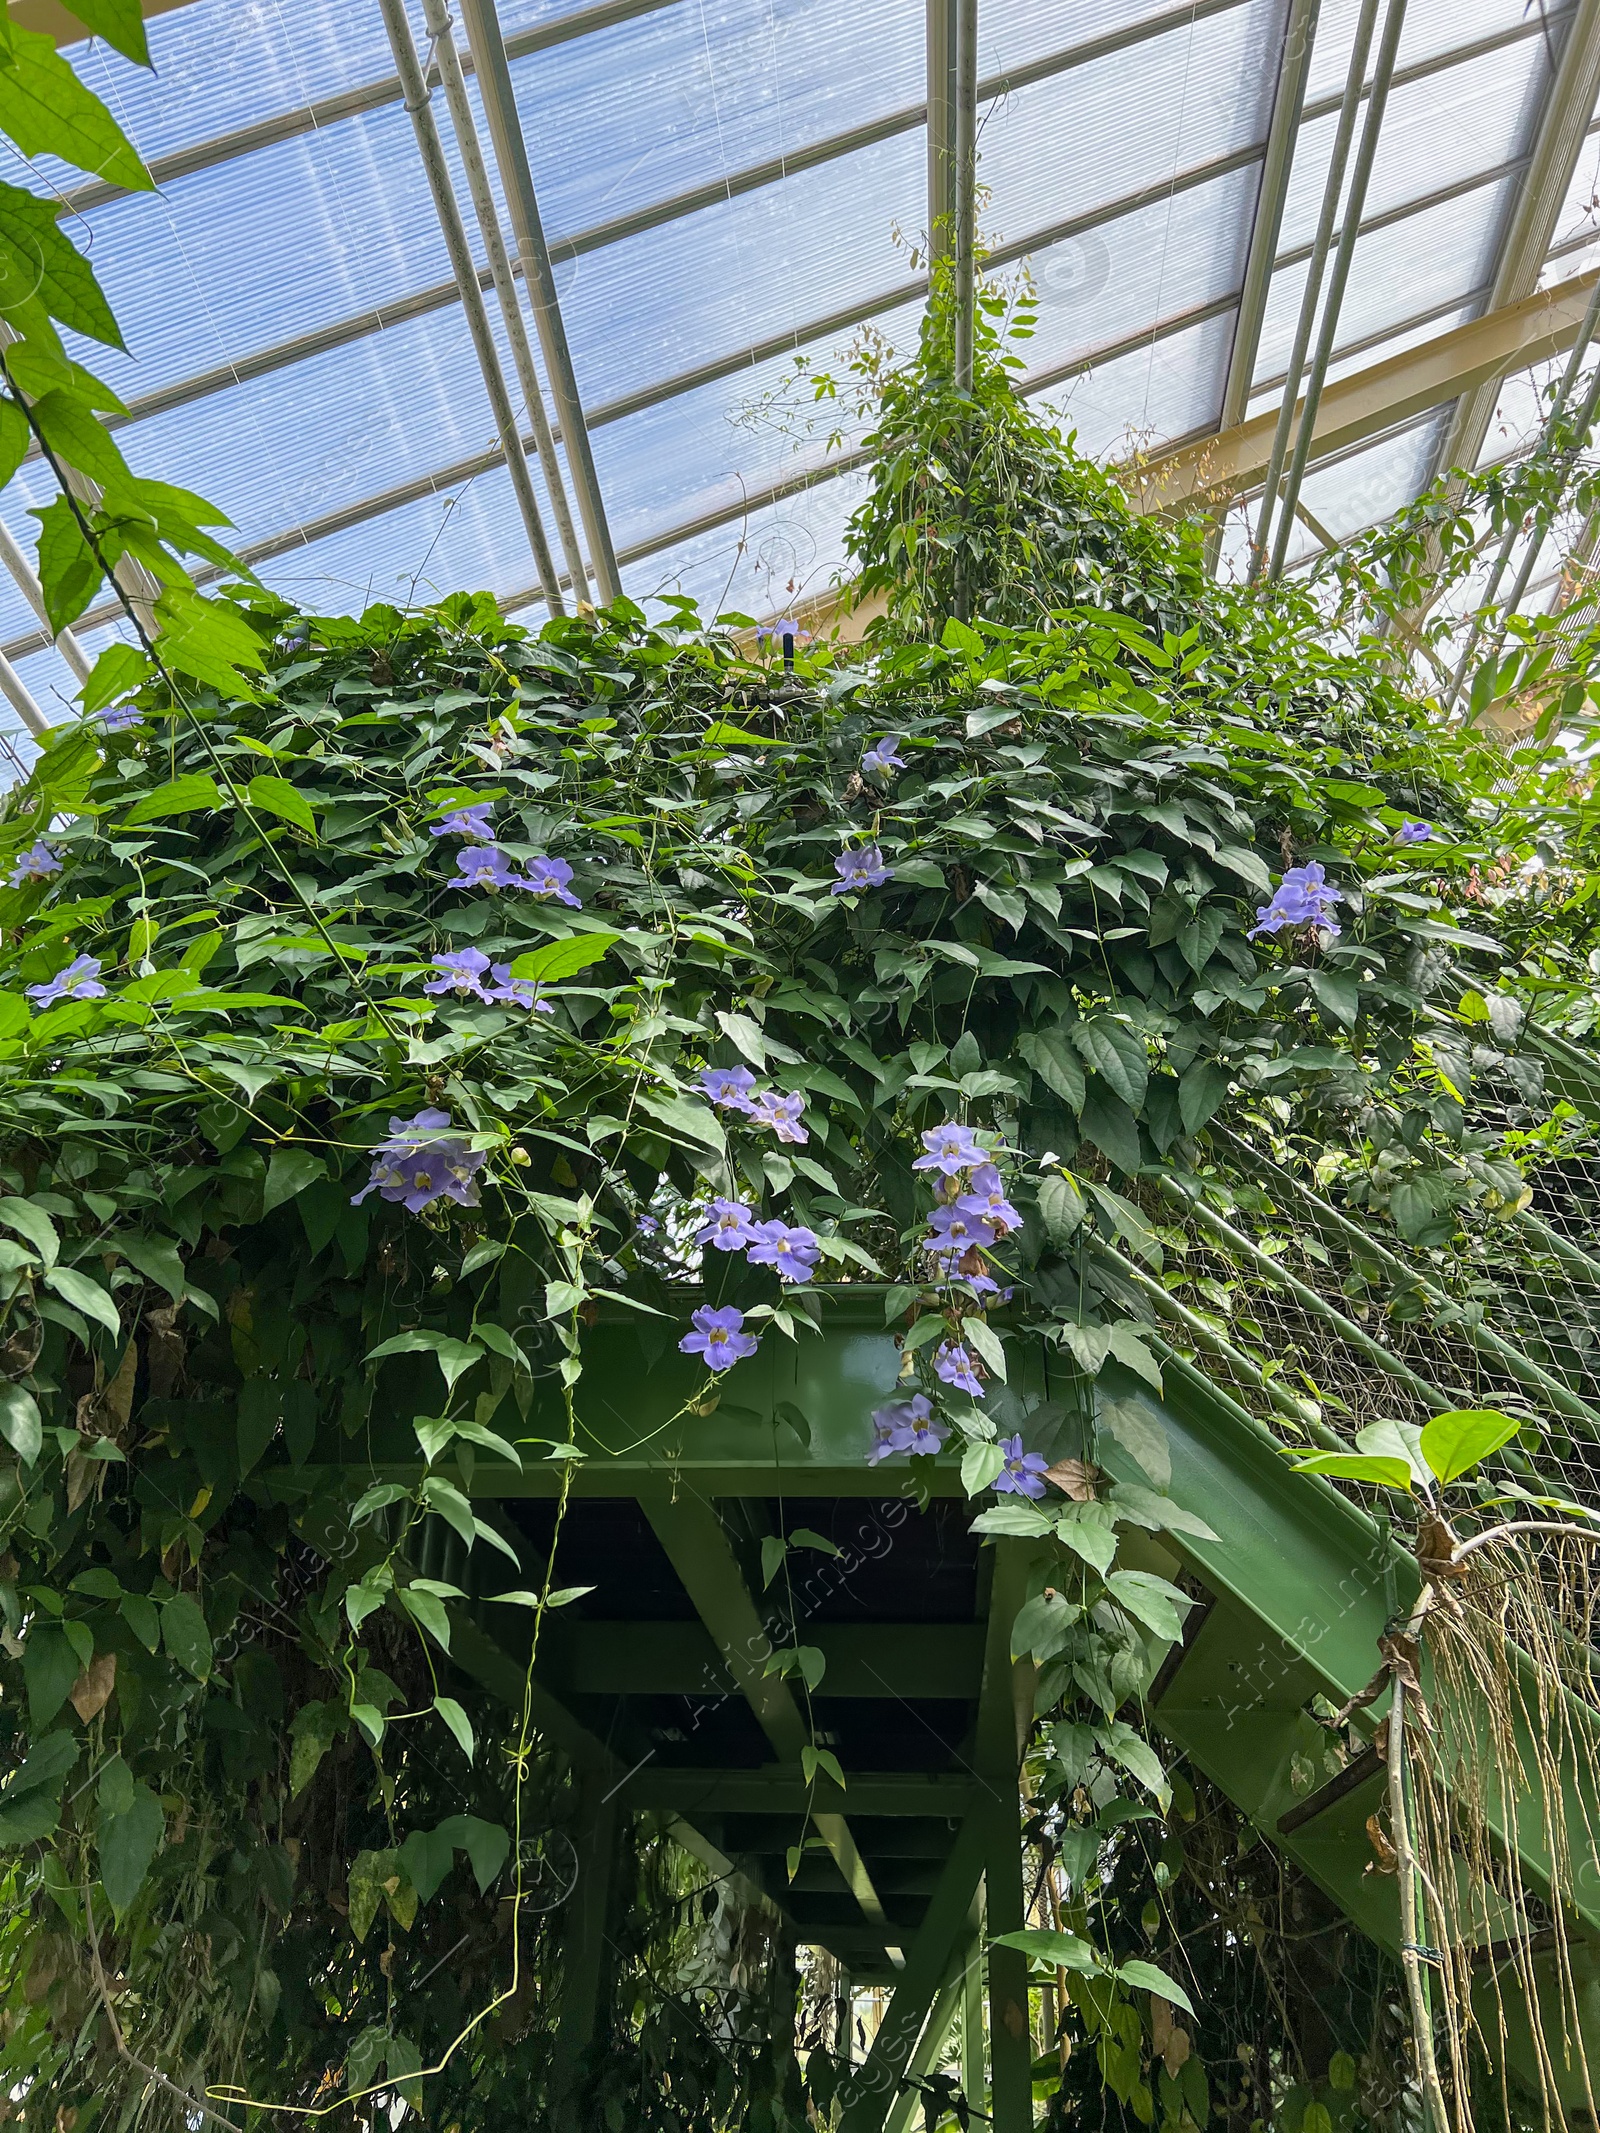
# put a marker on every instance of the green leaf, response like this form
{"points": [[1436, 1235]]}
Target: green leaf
{"points": [[289, 1172], [1049, 1052], [986, 1343], [424, 1608], [454, 1357], [458, 1722], [1151, 1599], [34, 1224], [20, 1421], [445, 1498], [1454, 1443], [1338, 994], [1130, 1751], [1063, 1951], [157, 1260], [84, 1295], [119, 22], [1200, 1092], [49, 1668], [190, 795], [823, 1760], [1157, 1513], [1417, 1205], [1198, 937], [127, 1842], [1090, 1537], [1353, 1466], [1060, 1206], [486, 1844], [564, 959], [69, 571], [16, 440], [1147, 1977], [1117, 1055], [1110, 1124], [74, 433], [186, 1635], [980, 1463], [1141, 1433], [278, 797], [40, 264], [773, 1551], [1129, 1348], [427, 1856]]}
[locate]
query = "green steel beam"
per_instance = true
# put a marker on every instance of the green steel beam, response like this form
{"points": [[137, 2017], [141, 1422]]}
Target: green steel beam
{"points": [[928, 1963], [697, 1546], [1005, 1710], [864, 1659], [585, 1946]]}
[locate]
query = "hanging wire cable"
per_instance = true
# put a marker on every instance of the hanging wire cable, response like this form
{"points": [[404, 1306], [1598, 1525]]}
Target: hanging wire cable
{"points": [[1349, 233], [1350, 104], [1545, 450]]}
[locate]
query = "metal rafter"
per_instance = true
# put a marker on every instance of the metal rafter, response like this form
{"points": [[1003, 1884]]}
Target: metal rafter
{"points": [[940, 36], [511, 153], [431, 150], [1564, 122]]}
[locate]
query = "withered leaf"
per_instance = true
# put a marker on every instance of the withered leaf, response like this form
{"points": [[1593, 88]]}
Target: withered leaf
{"points": [[91, 1692], [1074, 1478]]}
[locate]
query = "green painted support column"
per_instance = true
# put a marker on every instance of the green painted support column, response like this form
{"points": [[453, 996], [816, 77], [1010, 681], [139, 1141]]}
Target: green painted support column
{"points": [[585, 1942], [928, 1963], [903, 2111], [972, 2068], [1004, 1710]]}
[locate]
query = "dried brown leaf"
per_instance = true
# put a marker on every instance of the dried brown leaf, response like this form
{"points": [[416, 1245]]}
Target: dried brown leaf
{"points": [[1074, 1478], [92, 1690]]}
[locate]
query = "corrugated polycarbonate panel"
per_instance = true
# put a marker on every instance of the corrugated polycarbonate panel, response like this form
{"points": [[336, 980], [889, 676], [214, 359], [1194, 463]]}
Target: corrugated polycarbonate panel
{"points": [[238, 257], [696, 92], [1063, 147], [1146, 398], [1371, 485], [1100, 288], [762, 564], [1018, 33], [1432, 27], [1436, 132], [1428, 259], [1578, 223], [734, 274]]}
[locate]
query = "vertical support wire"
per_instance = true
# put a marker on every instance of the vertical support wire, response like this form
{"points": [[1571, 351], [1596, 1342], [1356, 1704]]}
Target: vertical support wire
{"points": [[438, 19], [1544, 450], [418, 102], [1349, 234], [1350, 104], [488, 51]]}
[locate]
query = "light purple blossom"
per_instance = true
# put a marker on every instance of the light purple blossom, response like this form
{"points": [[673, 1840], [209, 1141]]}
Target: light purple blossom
{"points": [[79, 981], [1023, 1473], [551, 877], [1302, 898], [118, 718], [720, 1337], [986, 1194], [881, 756], [782, 1113], [860, 869], [951, 1149], [729, 1226], [785, 626], [37, 863], [1413, 833], [485, 866], [906, 1426], [423, 1161], [794, 1252], [646, 1225], [461, 973], [957, 1228], [727, 1087], [516, 992], [955, 1366], [469, 822]]}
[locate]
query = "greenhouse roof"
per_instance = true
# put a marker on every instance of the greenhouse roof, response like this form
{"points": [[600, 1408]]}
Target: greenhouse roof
{"points": [[728, 185]]}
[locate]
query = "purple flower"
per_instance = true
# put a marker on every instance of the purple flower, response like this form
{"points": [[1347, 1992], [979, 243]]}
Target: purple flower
{"points": [[863, 869], [720, 1337], [786, 626], [986, 1194], [1302, 898], [469, 822], [79, 981], [727, 1087], [956, 1367], [422, 1161], [881, 755], [951, 1149], [1023, 1473], [793, 1252], [460, 973], [487, 867], [729, 1226], [36, 864], [1413, 833], [954, 1230], [516, 992], [646, 1225], [117, 718], [906, 1426], [782, 1114], [551, 877]]}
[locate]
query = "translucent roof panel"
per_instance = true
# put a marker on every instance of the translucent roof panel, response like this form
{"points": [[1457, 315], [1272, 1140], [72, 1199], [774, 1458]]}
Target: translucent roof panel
{"points": [[730, 186]]}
